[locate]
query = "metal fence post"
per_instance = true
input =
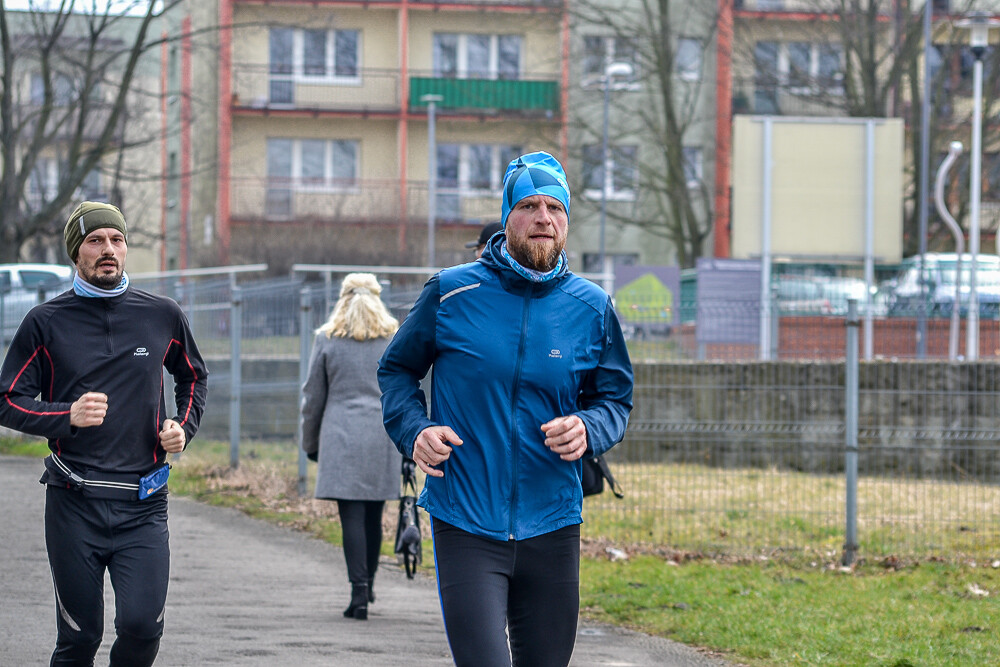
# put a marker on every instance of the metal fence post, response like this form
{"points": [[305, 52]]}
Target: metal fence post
{"points": [[775, 324], [235, 377], [851, 433], [305, 338]]}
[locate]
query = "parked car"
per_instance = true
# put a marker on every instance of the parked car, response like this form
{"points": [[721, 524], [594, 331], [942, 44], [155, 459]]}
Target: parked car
{"points": [[801, 295], [941, 275], [837, 291], [23, 286]]}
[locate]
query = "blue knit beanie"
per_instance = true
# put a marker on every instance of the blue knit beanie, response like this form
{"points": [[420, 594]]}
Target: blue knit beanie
{"points": [[533, 174]]}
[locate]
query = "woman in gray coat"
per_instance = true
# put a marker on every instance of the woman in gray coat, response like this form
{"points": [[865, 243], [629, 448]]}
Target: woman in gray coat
{"points": [[342, 428]]}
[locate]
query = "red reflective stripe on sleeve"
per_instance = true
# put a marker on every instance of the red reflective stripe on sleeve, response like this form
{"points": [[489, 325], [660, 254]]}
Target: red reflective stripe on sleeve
{"points": [[18, 377], [187, 412]]}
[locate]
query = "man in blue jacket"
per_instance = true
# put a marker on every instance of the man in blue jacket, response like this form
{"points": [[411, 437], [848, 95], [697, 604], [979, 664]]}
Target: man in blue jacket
{"points": [[531, 374]]}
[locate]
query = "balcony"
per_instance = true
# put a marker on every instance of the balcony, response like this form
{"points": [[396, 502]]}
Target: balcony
{"points": [[758, 97], [360, 201], [530, 97], [258, 90]]}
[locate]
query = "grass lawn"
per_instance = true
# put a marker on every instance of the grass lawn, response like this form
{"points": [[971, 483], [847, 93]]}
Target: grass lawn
{"points": [[754, 611]]}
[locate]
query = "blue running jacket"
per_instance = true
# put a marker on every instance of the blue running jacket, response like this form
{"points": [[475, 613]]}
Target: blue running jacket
{"points": [[508, 355]]}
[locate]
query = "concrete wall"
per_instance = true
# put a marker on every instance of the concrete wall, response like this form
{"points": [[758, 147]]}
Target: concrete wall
{"points": [[932, 419]]}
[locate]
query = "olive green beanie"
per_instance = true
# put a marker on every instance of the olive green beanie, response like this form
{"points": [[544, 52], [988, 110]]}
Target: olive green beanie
{"points": [[87, 217]]}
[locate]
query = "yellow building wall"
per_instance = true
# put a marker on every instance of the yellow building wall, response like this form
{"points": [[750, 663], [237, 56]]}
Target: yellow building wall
{"points": [[818, 189]]}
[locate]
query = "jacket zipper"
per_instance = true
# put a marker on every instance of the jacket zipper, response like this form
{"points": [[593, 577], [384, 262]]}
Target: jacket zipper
{"points": [[515, 441], [110, 338]]}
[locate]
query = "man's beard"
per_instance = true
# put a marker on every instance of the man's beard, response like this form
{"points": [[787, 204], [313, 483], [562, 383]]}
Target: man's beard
{"points": [[106, 281], [535, 256], [103, 280]]}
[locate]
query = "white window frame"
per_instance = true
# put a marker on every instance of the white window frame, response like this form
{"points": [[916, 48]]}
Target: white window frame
{"points": [[596, 79], [48, 169], [613, 194], [498, 166], [692, 73], [329, 183], [784, 67], [329, 76], [462, 54], [694, 161]]}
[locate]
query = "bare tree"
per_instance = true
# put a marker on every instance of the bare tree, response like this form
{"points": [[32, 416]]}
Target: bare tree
{"points": [[69, 96], [880, 49], [667, 111]]}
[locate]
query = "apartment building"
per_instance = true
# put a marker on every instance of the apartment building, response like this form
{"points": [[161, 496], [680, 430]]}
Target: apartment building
{"points": [[642, 130], [65, 73], [318, 147], [326, 124]]}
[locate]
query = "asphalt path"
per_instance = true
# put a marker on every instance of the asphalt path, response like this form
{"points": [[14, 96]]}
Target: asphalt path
{"points": [[244, 592]]}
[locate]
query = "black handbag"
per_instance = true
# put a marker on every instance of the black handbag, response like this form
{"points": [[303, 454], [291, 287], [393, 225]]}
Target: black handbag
{"points": [[595, 471], [408, 539]]}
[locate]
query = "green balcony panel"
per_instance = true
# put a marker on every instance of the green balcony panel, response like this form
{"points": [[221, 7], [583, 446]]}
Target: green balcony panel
{"points": [[502, 94]]}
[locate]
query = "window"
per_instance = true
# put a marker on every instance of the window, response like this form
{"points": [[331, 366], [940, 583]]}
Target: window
{"points": [[63, 92], [331, 55], [803, 66], [991, 176], [90, 188], [308, 164], [345, 51], [477, 56], [42, 181], [475, 168], [618, 177], [469, 170], [693, 165], [599, 51], [278, 202], [687, 61], [314, 52], [313, 161], [281, 65]]}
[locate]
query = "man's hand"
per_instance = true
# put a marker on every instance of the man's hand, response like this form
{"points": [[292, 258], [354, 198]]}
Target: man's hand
{"points": [[172, 437], [88, 410], [433, 446], [566, 436]]}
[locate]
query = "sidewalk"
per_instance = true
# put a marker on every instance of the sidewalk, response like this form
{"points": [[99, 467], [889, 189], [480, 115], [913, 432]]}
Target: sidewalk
{"points": [[245, 593]]}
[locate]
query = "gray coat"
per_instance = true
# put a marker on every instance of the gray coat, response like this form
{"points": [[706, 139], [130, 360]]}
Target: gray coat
{"points": [[342, 420]]}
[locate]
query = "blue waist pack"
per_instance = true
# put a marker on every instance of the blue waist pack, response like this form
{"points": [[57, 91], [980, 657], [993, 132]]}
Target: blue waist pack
{"points": [[154, 481]]}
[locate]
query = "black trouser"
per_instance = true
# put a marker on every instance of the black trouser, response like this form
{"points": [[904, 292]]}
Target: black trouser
{"points": [[527, 588], [361, 522], [129, 539]]}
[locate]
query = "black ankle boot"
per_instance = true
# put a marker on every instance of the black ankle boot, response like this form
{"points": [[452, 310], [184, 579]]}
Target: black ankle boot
{"points": [[371, 590], [359, 603]]}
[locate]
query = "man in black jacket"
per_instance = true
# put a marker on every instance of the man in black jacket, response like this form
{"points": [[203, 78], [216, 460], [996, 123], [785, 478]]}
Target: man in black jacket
{"points": [[85, 370]]}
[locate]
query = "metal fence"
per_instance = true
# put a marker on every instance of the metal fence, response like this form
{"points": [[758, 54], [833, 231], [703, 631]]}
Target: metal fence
{"points": [[726, 453]]}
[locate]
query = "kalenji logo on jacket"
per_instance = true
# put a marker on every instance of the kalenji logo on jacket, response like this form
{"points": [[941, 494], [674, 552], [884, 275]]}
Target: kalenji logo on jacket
{"points": [[140, 352]]}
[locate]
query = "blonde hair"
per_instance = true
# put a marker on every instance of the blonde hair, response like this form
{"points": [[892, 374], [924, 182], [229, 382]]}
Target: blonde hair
{"points": [[359, 312]]}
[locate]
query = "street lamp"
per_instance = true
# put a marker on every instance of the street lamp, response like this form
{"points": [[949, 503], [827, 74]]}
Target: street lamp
{"points": [[979, 25], [431, 102], [612, 69]]}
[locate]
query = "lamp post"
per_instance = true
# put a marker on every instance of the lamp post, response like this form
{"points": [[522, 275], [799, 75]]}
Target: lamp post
{"points": [[612, 69], [431, 102], [979, 25]]}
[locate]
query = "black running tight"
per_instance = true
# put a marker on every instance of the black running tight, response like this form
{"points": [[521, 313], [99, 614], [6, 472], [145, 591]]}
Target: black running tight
{"points": [[529, 588]]}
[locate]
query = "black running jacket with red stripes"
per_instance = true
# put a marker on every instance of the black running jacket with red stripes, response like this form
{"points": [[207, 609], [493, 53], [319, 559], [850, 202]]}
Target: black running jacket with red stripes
{"points": [[118, 346]]}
